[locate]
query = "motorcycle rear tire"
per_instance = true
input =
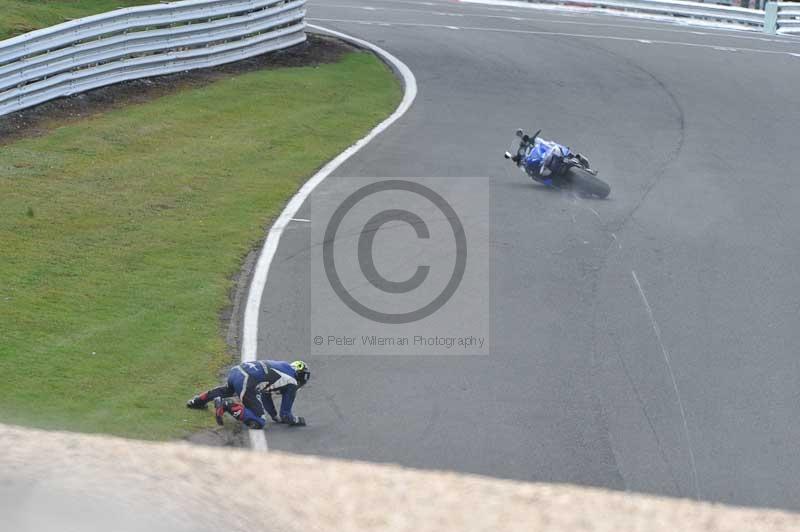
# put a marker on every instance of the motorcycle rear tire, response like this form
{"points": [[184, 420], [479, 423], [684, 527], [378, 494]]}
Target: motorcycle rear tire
{"points": [[587, 183]]}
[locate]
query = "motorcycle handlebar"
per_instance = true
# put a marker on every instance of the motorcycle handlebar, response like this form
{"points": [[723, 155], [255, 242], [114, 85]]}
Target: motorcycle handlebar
{"points": [[526, 138]]}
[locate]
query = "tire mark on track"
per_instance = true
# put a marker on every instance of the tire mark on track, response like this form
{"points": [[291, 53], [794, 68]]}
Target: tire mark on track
{"points": [[659, 444], [615, 235], [672, 156], [657, 331], [680, 118]]}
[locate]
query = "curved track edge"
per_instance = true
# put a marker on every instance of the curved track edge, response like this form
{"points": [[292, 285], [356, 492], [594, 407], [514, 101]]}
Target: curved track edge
{"points": [[258, 440]]}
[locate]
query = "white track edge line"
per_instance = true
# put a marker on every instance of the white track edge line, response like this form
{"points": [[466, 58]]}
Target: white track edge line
{"points": [[258, 439]]}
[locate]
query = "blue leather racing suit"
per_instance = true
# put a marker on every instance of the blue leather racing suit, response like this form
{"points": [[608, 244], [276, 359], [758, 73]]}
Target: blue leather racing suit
{"points": [[254, 383]]}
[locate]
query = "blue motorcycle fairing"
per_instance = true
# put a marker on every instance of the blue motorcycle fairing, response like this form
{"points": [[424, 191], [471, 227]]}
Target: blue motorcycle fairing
{"points": [[539, 151]]}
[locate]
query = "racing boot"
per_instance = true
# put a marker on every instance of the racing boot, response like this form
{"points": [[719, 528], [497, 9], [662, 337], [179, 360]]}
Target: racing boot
{"points": [[292, 421], [198, 402]]}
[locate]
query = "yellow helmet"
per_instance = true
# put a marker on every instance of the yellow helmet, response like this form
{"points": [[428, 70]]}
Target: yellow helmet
{"points": [[301, 371]]}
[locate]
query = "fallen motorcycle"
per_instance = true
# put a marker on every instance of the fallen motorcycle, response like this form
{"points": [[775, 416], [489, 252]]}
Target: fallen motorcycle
{"points": [[564, 169]]}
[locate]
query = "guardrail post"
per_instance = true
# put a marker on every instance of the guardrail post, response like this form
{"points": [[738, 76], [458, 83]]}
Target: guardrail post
{"points": [[771, 18]]}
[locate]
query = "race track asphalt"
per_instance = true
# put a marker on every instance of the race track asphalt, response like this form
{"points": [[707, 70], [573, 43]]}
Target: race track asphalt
{"points": [[647, 342]]}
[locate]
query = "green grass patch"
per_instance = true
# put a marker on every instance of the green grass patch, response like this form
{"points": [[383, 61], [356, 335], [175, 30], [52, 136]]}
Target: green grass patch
{"points": [[21, 16], [119, 236]]}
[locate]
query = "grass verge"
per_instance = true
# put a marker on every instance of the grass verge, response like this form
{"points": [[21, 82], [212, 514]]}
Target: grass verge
{"points": [[119, 235], [22, 16]]}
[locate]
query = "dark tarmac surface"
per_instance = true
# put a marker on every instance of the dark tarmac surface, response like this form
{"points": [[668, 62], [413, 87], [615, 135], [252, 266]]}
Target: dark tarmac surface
{"points": [[685, 280]]}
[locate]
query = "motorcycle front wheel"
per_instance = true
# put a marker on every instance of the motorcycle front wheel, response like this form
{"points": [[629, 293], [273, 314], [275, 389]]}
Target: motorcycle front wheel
{"points": [[587, 183]]}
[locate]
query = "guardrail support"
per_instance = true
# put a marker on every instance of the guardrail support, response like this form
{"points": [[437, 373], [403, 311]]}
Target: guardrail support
{"points": [[771, 18]]}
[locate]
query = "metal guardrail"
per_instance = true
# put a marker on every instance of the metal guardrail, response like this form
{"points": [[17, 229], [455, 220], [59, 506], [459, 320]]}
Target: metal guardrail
{"points": [[777, 17], [787, 17], [139, 42], [752, 18]]}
